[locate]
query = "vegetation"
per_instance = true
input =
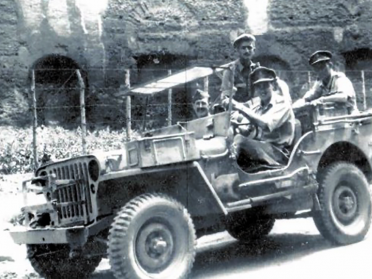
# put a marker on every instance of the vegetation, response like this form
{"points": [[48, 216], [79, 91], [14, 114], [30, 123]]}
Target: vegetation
{"points": [[16, 148]]}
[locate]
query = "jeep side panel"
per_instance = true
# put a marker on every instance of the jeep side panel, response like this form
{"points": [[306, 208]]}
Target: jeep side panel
{"points": [[185, 182], [347, 139]]}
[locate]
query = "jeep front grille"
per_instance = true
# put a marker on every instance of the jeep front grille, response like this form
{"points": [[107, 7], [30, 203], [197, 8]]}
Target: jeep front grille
{"points": [[74, 198]]}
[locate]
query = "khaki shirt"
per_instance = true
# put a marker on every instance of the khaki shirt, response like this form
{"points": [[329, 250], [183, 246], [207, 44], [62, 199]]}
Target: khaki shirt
{"points": [[235, 77], [337, 84], [280, 119]]}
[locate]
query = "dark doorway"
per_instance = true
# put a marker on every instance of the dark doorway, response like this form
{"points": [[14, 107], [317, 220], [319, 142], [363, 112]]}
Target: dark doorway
{"points": [[57, 91], [358, 68]]}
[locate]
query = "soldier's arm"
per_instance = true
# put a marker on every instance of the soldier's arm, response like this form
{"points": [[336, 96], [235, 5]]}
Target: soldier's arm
{"points": [[313, 93], [226, 85], [309, 96], [341, 92], [279, 113]]}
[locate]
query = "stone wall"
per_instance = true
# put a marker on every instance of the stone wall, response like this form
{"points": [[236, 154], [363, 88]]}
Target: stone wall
{"points": [[12, 102], [107, 37]]}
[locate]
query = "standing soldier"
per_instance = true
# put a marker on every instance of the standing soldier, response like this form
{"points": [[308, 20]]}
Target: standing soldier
{"points": [[237, 76]]}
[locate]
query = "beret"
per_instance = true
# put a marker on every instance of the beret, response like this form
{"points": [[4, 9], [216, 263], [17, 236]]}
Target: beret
{"points": [[244, 37]]}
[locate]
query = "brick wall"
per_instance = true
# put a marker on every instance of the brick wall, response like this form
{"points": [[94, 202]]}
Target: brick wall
{"points": [[103, 40]]}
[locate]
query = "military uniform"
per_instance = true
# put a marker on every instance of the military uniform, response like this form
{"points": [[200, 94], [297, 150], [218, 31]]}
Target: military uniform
{"points": [[335, 84], [338, 83], [238, 76], [268, 146]]}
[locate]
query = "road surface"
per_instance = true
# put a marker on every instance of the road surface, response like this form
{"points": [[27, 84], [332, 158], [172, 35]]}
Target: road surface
{"points": [[293, 250]]}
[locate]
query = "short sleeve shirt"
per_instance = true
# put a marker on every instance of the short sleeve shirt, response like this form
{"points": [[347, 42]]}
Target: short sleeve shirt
{"points": [[337, 84], [238, 76], [280, 119]]}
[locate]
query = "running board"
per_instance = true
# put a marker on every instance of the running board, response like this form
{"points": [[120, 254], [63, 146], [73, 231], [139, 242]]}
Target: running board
{"points": [[274, 179], [250, 202]]}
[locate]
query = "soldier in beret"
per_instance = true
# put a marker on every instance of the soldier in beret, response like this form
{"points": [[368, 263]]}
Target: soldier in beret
{"points": [[237, 76], [236, 79], [274, 121], [330, 86], [200, 103]]}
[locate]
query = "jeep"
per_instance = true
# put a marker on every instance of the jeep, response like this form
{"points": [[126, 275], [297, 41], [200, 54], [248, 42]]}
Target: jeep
{"points": [[144, 206]]}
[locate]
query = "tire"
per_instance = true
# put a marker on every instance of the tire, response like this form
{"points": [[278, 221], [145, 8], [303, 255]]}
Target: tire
{"points": [[152, 237], [52, 261], [247, 227], [345, 202]]}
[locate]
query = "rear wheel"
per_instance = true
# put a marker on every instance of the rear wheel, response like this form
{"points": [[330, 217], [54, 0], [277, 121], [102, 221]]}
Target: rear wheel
{"points": [[152, 237], [245, 227], [52, 261], [345, 201]]}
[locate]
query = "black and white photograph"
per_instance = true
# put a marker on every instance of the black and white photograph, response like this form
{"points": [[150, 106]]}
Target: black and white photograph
{"points": [[185, 139]]}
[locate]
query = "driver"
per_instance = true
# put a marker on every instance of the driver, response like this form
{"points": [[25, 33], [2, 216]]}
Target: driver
{"points": [[274, 121]]}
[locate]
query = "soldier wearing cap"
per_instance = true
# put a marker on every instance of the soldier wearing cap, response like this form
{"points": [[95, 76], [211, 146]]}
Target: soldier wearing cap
{"points": [[274, 121], [237, 76], [200, 103], [330, 86], [236, 79]]}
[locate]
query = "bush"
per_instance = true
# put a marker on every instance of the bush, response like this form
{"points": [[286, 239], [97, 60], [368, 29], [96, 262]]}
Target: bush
{"points": [[16, 149]]}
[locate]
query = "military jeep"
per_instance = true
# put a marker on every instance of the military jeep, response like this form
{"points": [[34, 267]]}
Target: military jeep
{"points": [[145, 205]]}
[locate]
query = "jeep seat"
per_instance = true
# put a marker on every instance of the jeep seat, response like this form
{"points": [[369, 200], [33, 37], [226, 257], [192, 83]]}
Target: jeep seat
{"points": [[213, 146], [297, 134]]}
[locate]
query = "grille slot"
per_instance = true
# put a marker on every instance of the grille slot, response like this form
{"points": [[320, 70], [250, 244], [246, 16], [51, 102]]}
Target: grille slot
{"points": [[73, 199]]}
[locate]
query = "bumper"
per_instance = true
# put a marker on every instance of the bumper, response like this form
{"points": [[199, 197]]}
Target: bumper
{"points": [[76, 236], [48, 236]]}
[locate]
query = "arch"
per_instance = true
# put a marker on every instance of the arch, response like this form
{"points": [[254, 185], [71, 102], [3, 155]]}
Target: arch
{"points": [[57, 90], [295, 81], [357, 61]]}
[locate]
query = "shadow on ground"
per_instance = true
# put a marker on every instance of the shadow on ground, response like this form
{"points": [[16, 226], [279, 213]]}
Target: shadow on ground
{"points": [[227, 256]]}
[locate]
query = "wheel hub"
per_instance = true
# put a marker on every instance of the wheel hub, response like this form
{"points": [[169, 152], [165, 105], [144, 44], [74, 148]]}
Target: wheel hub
{"points": [[154, 247], [158, 245], [345, 204]]}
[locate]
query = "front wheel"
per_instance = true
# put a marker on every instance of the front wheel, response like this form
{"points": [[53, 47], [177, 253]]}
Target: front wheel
{"points": [[152, 237], [345, 201]]}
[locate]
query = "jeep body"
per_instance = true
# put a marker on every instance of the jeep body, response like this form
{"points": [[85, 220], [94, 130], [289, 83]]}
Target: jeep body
{"points": [[190, 164]]}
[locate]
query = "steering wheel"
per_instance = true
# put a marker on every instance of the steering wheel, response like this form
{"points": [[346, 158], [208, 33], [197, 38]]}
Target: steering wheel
{"points": [[241, 125]]}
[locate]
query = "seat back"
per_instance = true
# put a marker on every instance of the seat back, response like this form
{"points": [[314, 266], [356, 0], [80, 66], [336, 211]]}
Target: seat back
{"points": [[297, 133]]}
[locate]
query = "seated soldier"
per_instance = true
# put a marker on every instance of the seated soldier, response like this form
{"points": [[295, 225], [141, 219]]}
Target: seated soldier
{"points": [[200, 104], [274, 121], [330, 86]]}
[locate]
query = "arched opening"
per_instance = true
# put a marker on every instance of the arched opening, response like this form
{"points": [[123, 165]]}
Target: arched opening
{"points": [[283, 70], [57, 90], [359, 71]]}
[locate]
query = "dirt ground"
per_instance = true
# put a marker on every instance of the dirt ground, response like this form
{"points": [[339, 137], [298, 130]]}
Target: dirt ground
{"points": [[294, 249]]}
